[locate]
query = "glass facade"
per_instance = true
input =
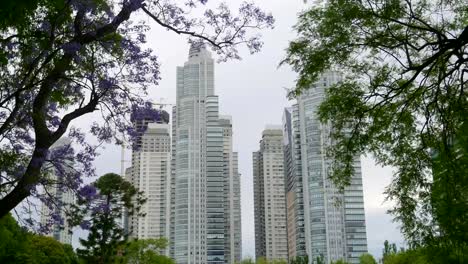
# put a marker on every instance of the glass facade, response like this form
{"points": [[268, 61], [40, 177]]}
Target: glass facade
{"points": [[332, 222], [294, 186], [200, 194]]}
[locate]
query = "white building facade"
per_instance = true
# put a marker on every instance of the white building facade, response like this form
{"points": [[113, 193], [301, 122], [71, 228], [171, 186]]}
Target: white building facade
{"points": [[201, 152], [271, 240], [151, 173]]}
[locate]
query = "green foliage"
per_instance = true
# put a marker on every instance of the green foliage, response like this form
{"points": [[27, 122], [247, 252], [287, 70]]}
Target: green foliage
{"points": [[389, 249], [16, 12], [263, 260], [106, 237], [340, 261], [19, 246], [247, 261], [422, 255], [403, 100], [367, 259], [146, 251], [12, 239], [407, 257], [319, 260], [47, 250], [300, 260]]}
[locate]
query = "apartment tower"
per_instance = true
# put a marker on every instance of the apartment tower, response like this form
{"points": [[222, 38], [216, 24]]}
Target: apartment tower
{"points": [[151, 173], [271, 241]]}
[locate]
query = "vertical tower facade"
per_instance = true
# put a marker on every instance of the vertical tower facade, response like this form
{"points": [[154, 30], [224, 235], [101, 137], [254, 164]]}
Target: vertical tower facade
{"points": [[151, 173], [334, 222], [293, 182], [236, 211], [155, 181], [271, 239], [204, 172], [232, 224]]}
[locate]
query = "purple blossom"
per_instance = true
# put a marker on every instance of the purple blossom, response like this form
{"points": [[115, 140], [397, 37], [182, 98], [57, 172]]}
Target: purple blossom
{"points": [[141, 38], [145, 112], [85, 5], [88, 192], [61, 152], [55, 121], [71, 47], [37, 161], [134, 4], [106, 84], [103, 133], [85, 224], [57, 218], [77, 135], [100, 208], [45, 26]]}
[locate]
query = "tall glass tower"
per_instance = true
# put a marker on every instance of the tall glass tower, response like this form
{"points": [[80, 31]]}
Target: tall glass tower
{"points": [[331, 222], [200, 212]]}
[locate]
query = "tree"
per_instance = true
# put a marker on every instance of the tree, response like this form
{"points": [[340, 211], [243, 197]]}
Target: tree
{"points": [[418, 256], [47, 250], [16, 12], [19, 246], [403, 100], [261, 260], [247, 261], [146, 251], [300, 260], [340, 261], [367, 259], [100, 213], [319, 260], [12, 239], [73, 58]]}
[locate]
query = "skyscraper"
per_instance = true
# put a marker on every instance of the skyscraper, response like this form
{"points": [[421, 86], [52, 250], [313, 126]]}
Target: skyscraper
{"points": [[151, 173], [293, 182], [334, 222], [271, 239], [201, 210], [154, 180], [233, 234], [65, 198]]}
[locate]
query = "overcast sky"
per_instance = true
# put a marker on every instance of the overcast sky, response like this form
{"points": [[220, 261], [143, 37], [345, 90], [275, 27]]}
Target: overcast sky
{"points": [[253, 92]]}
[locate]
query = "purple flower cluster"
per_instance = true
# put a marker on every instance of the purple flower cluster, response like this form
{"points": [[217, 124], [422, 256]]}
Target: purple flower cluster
{"points": [[85, 224], [134, 4], [145, 112], [103, 133], [71, 47], [87, 192], [85, 5]]}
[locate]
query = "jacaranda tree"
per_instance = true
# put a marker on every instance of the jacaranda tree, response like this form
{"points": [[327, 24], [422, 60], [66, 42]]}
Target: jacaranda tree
{"points": [[76, 57], [403, 100]]}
